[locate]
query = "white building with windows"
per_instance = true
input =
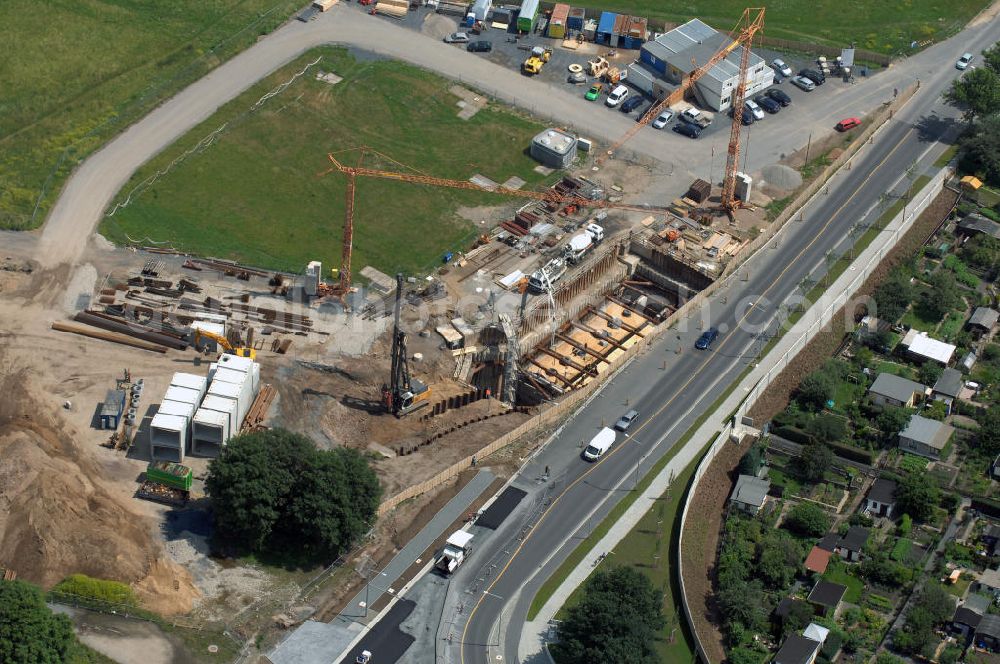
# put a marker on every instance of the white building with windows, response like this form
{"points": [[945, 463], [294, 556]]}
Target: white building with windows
{"points": [[675, 54]]}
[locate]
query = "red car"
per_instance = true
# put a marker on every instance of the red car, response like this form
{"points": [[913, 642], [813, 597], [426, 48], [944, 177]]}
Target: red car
{"points": [[848, 124]]}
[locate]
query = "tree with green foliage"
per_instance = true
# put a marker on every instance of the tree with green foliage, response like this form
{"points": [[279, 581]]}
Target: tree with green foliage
{"points": [[879, 568], [779, 558], [29, 632], [752, 460], [887, 658], [893, 297], [744, 655], [815, 390], [814, 460], [742, 603], [917, 494], [932, 607], [807, 520], [800, 614], [827, 428], [977, 91], [274, 491], [936, 410], [981, 149], [617, 619], [988, 436], [983, 251], [991, 57], [891, 421], [929, 372], [943, 295]]}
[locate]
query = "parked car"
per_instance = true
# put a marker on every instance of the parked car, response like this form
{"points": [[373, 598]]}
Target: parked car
{"points": [[617, 96], [631, 104], [479, 47], [752, 106], [963, 62], [746, 116], [779, 66], [814, 75], [768, 104], [847, 124], [663, 119], [803, 83], [626, 420], [456, 38], [594, 92], [706, 338], [779, 96], [687, 129]]}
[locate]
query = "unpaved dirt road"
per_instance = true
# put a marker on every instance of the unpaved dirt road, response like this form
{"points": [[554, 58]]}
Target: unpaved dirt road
{"points": [[95, 182]]}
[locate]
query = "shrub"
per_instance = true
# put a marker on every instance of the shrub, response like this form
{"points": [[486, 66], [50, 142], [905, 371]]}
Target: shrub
{"points": [[103, 590]]}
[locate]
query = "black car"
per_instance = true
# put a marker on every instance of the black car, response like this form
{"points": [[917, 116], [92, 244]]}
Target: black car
{"points": [[631, 104], [687, 129], [746, 117], [767, 104], [706, 339], [813, 75], [779, 96], [480, 47]]}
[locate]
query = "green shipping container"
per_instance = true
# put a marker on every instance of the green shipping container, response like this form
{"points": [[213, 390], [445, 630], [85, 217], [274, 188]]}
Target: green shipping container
{"points": [[170, 474], [528, 16]]}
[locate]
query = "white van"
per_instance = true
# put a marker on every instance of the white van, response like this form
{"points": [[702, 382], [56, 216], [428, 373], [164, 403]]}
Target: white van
{"points": [[600, 444], [616, 96]]}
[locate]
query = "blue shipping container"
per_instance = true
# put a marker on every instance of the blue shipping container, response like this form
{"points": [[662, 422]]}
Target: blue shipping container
{"points": [[576, 17], [605, 27]]}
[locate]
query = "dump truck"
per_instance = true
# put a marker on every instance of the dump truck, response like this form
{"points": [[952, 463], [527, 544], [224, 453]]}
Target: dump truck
{"points": [[456, 549], [539, 56]]}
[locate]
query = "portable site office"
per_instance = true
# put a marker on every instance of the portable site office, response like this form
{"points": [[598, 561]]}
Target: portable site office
{"points": [[528, 16]]}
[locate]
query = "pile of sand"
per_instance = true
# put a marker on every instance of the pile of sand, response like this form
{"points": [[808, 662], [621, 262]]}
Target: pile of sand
{"points": [[56, 519]]}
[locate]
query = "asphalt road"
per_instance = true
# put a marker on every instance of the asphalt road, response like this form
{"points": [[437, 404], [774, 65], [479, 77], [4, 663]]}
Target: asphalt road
{"points": [[96, 181], [672, 399]]}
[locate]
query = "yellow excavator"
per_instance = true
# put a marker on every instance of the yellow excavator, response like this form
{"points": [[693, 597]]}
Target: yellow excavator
{"points": [[539, 56], [241, 351]]}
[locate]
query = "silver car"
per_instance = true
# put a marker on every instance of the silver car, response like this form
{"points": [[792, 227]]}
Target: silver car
{"points": [[663, 119], [779, 66], [963, 62], [456, 38], [803, 83]]}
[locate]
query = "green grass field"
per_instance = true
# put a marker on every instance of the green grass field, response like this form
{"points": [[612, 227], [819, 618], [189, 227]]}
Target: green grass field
{"points": [[884, 27], [255, 194], [650, 547], [838, 573], [77, 72]]}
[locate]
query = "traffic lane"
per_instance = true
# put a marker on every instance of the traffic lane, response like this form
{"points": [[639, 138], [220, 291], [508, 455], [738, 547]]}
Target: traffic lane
{"points": [[619, 465], [576, 504], [385, 641]]}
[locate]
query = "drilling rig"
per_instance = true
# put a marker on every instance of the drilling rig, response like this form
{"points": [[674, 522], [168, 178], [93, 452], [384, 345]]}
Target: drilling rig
{"points": [[403, 394]]}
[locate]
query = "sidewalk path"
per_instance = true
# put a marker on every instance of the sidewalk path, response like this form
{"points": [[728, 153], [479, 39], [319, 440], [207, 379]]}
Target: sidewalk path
{"points": [[323, 643]]}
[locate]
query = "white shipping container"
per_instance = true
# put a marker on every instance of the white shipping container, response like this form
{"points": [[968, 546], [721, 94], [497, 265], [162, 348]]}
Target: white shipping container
{"points": [[179, 408], [240, 393], [190, 381], [182, 394], [168, 437], [210, 431]]}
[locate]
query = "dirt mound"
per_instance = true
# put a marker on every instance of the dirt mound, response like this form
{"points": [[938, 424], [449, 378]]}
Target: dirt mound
{"points": [[55, 517]]}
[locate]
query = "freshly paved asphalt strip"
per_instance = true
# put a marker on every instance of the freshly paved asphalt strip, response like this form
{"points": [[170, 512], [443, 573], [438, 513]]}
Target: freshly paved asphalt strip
{"points": [[501, 508], [675, 386], [321, 643], [385, 642], [97, 180]]}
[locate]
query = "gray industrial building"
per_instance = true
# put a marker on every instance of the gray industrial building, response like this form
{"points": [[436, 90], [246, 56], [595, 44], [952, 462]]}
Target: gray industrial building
{"points": [[554, 148]]}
